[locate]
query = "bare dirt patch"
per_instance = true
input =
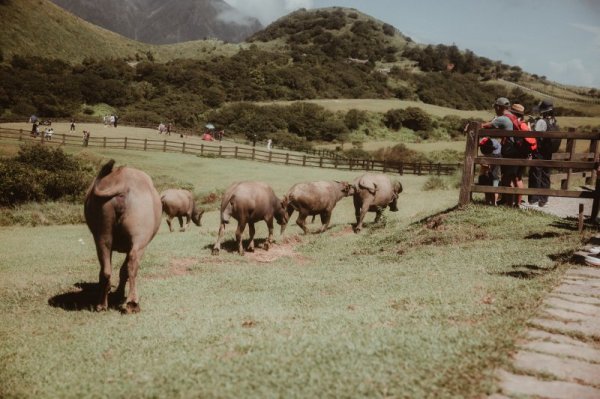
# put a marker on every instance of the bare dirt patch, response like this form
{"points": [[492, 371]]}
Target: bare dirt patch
{"points": [[284, 248], [177, 267], [347, 230]]}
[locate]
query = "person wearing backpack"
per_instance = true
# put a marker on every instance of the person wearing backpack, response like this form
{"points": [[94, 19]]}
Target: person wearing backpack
{"points": [[521, 148], [539, 177], [502, 121]]}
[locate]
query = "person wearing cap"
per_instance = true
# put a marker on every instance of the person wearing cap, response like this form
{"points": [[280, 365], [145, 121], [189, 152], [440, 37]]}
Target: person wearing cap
{"points": [[514, 174], [539, 177], [500, 121]]}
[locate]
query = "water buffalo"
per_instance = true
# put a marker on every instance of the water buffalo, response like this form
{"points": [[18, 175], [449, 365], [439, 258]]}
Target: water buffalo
{"points": [[249, 202], [316, 198], [122, 210], [373, 193], [179, 203]]}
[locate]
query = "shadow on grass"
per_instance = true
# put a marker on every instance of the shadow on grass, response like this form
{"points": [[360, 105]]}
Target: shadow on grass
{"points": [[84, 298], [231, 246], [527, 272], [540, 236], [570, 224]]}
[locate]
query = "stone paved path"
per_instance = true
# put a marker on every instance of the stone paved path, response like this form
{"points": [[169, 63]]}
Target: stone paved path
{"points": [[560, 356]]}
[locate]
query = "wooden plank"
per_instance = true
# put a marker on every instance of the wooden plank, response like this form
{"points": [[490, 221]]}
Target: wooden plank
{"points": [[552, 135], [469, 164], [533, 191], [571, 150], [535, 162]]}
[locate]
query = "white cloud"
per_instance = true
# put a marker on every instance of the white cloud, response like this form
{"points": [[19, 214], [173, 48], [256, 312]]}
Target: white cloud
{"points": [[594, 30], [573, 72], [266, 11]]}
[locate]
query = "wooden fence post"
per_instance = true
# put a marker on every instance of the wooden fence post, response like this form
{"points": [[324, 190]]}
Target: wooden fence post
{"points": [[183, 147], [125, 143], [439, 168], [401, 169], [201, 149], [270, 156], [220, 150], [430, 168], [104, 142], [565, 184], [235, 155], [594, 149], [303, 160], [384, 166], [287, 158], [165, 146], [64, 139], [469, 165], [20, 134], [145, 144], [253, 153], [320, 162]]}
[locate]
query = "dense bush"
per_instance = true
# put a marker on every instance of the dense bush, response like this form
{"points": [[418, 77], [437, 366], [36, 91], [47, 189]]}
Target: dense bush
{"points": [[399, 153], [39, 173], [413, 118]]}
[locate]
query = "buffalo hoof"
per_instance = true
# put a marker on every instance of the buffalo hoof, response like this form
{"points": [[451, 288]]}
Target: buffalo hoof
{"points": [[215, 251], [131, 307]]}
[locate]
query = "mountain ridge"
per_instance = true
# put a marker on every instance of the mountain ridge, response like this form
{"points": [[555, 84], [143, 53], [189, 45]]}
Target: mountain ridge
{"points": [[160, 22]]}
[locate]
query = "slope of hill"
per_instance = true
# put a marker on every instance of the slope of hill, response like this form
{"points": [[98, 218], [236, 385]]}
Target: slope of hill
{"points": [[40, 28], [164, 22]]}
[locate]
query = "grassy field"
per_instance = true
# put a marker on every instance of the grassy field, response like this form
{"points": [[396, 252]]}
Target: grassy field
{"points": [[412, 307]]}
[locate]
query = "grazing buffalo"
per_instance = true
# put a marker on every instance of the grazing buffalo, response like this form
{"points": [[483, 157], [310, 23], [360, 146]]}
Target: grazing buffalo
{"points": [[316, 198], [373, 193], [122, 210], [249, 202], [180, 203]]}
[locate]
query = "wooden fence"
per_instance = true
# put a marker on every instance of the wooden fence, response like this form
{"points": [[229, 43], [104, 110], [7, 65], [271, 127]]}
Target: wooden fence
{"points": [[236, 152], [569, 164]]}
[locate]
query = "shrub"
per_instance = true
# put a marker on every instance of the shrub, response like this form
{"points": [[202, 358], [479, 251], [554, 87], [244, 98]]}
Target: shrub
{"points": [[435, 183], [399, 153], [39, 173]]}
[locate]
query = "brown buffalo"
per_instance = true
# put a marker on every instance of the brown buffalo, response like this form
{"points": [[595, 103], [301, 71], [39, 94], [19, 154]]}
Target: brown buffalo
{"points": [[249, 202], [316, 198], [179, 203], [122, 210], [373, 193]]}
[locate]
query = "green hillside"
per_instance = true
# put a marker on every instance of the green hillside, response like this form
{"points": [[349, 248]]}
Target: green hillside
{"points": [[40, 28], [58, 66]]}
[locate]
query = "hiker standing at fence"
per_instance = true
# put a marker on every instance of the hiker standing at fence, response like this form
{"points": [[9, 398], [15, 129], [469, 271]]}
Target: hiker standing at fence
{"points": [[517, 148], [501, 121], [539, 177], [72, 128], [489, 175]]}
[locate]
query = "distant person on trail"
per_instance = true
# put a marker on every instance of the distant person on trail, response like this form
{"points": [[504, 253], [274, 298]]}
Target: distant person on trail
{"points": [[161, 128], [169, 128], [504, 122], [269, 144], [111, 120], [116, 120], [539, 177], [86, 138], [220, 134]]}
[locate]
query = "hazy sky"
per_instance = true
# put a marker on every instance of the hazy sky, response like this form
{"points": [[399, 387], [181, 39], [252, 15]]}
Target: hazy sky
{"points": [[556, 38]]}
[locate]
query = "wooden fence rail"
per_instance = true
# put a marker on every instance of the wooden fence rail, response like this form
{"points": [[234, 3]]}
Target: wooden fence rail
{"points": [[237, 152], [586, 164]]}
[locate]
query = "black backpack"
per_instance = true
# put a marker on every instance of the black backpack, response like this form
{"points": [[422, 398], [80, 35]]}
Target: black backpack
{"points": [[548, 146]]}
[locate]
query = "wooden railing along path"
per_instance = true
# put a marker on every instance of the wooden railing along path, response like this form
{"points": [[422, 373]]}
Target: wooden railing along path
{"points": [[569, 163], [237, 152]]}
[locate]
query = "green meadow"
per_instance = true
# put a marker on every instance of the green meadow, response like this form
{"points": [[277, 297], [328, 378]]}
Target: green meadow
{"points": [[426, 303]]}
